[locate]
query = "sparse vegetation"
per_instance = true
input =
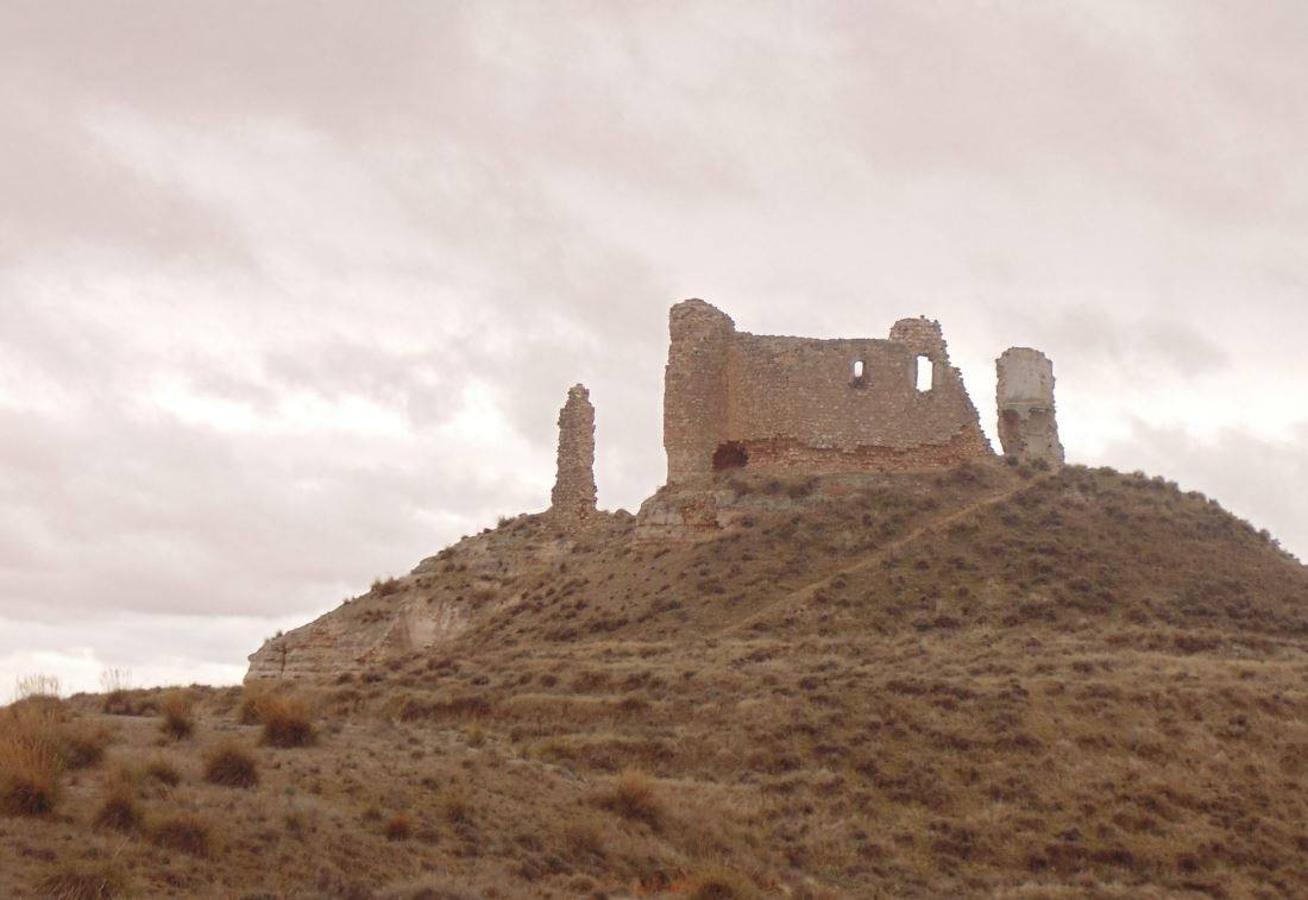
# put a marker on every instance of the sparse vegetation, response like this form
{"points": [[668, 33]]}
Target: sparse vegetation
{"points": [[86, 881], [184, 832], [633, 796], [287, 720], [30, 759], [163, 772], [231, 764], [35, 686], [175, 708], [119, 809], [957, 684], [399, 827]]}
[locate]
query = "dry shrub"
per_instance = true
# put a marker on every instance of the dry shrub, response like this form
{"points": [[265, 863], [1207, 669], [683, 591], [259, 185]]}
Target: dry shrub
{"points": [[184, 832], [86, 881], [583, 838], [82, 745], [127, 703], [253, 696], [176, 709], [31, 760], [231, 764], [29, 686], [119, 810], [118, 697], [162, 771], [633, 796], [456, 807], [399, 827], [287, 721], [721, 884]]}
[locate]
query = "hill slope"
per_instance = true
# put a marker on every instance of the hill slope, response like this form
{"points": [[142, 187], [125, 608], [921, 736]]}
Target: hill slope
{"points": [[987, 682]]}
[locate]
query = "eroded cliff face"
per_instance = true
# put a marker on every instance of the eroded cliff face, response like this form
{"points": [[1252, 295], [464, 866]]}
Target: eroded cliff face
{"points": [[443, 597]]}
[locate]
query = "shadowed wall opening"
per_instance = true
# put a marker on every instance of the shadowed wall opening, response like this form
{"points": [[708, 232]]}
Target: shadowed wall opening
{"points": [[731, 455]]}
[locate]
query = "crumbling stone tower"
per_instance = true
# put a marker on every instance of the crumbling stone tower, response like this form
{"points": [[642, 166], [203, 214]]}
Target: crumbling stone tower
{"points": [[573, 497], [1028, 428]]}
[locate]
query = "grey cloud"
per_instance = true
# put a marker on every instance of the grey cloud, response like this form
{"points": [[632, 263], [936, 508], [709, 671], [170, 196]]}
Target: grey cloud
{"points": [[403, 205]]}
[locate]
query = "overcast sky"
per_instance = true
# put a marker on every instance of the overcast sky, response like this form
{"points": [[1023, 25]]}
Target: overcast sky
{"points": [[291, 292]]}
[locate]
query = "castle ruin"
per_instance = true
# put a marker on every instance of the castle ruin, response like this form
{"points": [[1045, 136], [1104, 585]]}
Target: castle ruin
{"points": [[1028, 428], [573, 497], [734, 400], [811, 406]]}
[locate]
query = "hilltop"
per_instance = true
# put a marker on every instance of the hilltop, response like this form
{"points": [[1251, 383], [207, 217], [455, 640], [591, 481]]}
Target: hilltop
{"points": [[994, 679]]}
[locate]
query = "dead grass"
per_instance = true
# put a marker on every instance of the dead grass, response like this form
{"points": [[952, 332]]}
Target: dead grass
{"points": [[163, 772], [31, 759], [119, 809], [176, 709], [399, 827], [231, 764], [719, 883], [86, 881], [1094, 686], [633, 795], [183, 832], [287, 720], [82, 744]]}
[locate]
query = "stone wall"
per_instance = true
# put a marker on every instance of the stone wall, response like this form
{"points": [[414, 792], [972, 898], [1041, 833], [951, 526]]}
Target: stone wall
{"points": [[1028, 427], [573, 497], [803, 404]]}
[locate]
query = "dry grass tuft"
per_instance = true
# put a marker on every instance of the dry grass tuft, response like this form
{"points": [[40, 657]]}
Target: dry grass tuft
{"points": [[162, 771], [721, 884], [27, 687], [82, 745], [399, 827], [633, 796], [30, 760], [83, 881], [176, 709], [184, 832], [119, 810], [231, 764], [287, 721]]}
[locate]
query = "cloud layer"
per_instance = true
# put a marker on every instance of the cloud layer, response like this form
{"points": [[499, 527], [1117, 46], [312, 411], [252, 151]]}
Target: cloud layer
{"points": [[290, 296]]}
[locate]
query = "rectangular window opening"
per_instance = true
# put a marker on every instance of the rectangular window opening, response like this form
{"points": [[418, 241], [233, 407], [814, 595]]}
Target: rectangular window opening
{"points": [[926, 373]]}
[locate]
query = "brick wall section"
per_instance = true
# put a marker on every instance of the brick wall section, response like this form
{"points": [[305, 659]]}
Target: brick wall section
{"points": [[1028, 426], [797, 404], [573, 496]]}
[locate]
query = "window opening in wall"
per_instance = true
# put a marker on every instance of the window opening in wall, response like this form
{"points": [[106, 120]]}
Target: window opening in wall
{"points": [[926, 371], [858, 369]]}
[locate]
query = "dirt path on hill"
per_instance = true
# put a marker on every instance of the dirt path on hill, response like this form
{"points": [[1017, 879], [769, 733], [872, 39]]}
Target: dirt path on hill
{"points": [[802, 596]]}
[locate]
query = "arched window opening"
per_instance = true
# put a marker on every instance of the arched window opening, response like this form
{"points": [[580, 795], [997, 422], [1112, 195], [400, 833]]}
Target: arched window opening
{"points": [[857, 374], [926, 374]]}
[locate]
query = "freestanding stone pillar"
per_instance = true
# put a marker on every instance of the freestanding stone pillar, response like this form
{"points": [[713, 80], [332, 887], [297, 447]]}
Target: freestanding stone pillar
{"points": [[573, 497], [1028, 428]]}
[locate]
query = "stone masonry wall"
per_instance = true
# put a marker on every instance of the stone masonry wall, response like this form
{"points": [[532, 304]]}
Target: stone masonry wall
{"points": [[804, 404], [573, 497], [1028, 427]]}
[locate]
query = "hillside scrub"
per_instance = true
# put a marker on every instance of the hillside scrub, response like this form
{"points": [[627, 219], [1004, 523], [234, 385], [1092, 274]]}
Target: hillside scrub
{"points": [[986, 682]]}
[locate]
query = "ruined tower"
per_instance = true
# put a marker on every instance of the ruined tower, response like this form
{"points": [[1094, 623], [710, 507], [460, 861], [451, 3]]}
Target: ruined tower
{"points": [[573, 497], [1028, 428]]}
